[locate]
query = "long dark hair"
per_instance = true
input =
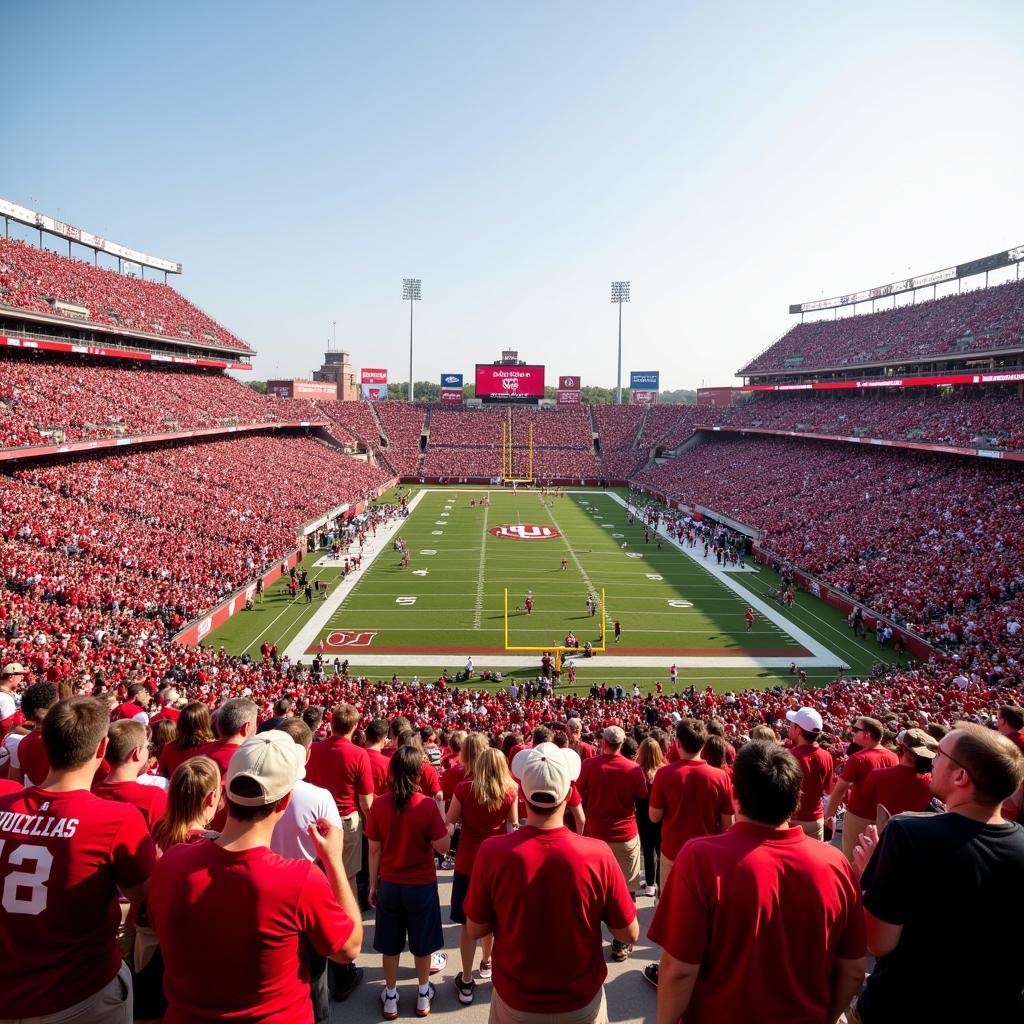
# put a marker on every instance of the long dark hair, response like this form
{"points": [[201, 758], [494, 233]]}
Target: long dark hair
{"points": [[406, 765]]}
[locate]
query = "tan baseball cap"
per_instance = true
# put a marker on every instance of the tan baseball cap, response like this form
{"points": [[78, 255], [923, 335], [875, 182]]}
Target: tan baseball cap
{"points": [[918, 742], [14, 668], [273, 760]]}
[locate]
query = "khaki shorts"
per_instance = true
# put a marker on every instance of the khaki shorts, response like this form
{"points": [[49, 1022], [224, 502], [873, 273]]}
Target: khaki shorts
{"points": [[853, 825], [627, 856], [111, 1005], [595, 1012], [664, 869], [814, 829], [352, 852]]}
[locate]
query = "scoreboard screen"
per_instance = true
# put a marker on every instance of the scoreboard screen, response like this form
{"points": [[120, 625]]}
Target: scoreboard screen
{"points": [[509, 383]]}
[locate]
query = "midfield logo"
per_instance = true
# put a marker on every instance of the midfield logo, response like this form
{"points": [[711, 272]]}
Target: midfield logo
{"points": [[350, 637], [524, 531]]}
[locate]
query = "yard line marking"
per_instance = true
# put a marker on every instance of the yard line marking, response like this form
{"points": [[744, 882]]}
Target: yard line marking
{"points": [[483, 564], [579, 565]]}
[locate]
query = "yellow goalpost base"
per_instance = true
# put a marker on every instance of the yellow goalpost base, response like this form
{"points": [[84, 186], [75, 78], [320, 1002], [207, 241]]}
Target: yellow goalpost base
{"points": [[558, 650]]}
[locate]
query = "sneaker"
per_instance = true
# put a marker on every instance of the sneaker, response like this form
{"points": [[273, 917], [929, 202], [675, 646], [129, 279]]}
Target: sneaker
{"points": [[389, 1005], [424, 999], [641, 886], [651, 974], [621, 950], [448, 863], [485, 970], [345, 982], [651, 890], [465, 989], [438, 962]]}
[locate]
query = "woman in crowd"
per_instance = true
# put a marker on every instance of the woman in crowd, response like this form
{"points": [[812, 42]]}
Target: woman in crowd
{"points": [[404, 829], [650, 758], [194, 729]]}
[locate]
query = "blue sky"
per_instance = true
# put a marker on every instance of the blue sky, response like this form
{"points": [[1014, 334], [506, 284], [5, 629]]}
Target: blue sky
{"points": [[728, 159]]}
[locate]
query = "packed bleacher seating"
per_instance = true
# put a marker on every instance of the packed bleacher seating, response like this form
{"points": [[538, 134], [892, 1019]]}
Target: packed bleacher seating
{"points": [[402, 423], [40, 280], [982, 320], [666, 426], [466, 427], [46, 399], [133, 545], [617, 427], [935, 543], [568, 427]]}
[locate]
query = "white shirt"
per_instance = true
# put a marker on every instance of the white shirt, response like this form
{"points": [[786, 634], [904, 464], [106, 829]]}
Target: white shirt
{"points": [[291, 834], [8, 705]]}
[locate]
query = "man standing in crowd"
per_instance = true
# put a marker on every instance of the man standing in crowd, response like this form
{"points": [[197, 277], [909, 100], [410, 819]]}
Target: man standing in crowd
{"points": [[343, 769], [610, 785], [574, 730], [127, 755], [760, 923], [817, 767], [66, 855], [936, 891], [29, 763], [867, 734], [234, 721], [11, 678], [1011, 724], [544, 892], [135, 706], [225, 906], [905, 786]]}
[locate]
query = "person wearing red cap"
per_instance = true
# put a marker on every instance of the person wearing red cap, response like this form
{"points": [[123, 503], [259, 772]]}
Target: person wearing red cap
{"points": [[817, 767], [544, 892]]}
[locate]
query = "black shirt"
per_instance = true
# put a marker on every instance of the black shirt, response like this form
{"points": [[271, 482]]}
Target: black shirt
{"points": [[954, 885]]}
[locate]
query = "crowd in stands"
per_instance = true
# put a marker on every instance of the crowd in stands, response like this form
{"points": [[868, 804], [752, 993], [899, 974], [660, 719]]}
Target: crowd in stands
{"points": [[104, 556], [38, 279], [934, 542], [981, 320], [617, 428], [402, 424]]}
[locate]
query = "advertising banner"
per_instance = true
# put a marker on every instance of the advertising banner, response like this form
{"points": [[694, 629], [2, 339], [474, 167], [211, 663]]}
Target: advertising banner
{"points": [[509, 383], [569, 397], [451, 380], [644, 380], [373, 376], [375, 392], [452, 396], [643, 397], [569, 384]]}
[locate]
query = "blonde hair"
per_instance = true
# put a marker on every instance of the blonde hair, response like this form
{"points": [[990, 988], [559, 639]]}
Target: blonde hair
{"points": [[472, 747], [192, 782], [492, 781], [650, 757]]}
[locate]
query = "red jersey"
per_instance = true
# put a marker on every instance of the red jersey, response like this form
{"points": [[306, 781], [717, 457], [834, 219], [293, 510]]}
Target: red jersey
{"points": [[379, 765], [63, 857], [545, 892], [343, 769], [766, 912], [32, 757], [857, 768], [150, 800], [897, 789], [235, 929], [407, 856], [694, 796], [817, 766], [478, 823], [610, 784]]}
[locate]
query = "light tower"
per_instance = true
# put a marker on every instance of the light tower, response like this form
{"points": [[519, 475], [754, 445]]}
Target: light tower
{"points": [[411, 293], [620, 294]]}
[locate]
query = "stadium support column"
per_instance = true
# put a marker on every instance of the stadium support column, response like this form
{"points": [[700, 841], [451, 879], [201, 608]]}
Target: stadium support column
{"points": [[411, 292], [620, 294]]}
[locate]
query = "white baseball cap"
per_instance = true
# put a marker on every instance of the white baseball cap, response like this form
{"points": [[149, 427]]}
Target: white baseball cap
{"points": [[807, 718], [273, 760], [546, 772]]}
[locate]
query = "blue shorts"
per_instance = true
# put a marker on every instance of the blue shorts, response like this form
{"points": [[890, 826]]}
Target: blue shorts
{"points": [[408, 910]]}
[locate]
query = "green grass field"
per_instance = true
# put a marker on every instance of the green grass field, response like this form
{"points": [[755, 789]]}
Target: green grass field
{"points": [[449, 602]]}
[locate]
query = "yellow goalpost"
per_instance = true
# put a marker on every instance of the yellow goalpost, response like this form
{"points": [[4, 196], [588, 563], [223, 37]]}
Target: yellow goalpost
{"points": [[507, 465], [560, 649]]}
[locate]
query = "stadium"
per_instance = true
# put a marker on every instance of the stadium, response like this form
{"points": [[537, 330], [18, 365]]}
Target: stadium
{"points": [[530, 650]]}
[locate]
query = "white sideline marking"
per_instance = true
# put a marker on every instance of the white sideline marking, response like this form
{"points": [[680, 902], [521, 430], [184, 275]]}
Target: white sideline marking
{"points": [[478, 612]]}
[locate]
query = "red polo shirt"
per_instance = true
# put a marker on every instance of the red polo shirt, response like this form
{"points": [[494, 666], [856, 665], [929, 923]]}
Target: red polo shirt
{"points": [[610, 785], [766, 912], [898, 789], [857, 768], [817, 766], [693, 796], [341, 767]]}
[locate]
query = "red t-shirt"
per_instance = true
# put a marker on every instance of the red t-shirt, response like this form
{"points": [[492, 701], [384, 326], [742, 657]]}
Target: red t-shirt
{"points": [[545, 893], [478, 823], [379, 764], [693, 795], [407, 857], [217, 750], [817, 765], [127, 710], [428, 781], [171, 755], [32, 757], [150, 800], [10, 786], [235, 930], [898, 789], [343, 769], [585, 750], [610, 784], [63, 857], [766, 912], [857, 768], [450, 778]]}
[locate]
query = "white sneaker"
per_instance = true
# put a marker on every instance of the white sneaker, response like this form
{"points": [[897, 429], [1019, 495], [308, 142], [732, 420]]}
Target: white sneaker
{"points": [[389, 1005], [438, 962], [424, 999], [641, 886], [651, 890]]}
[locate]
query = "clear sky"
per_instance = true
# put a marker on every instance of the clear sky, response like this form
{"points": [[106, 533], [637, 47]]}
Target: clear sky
{"points": [[301, 159]]}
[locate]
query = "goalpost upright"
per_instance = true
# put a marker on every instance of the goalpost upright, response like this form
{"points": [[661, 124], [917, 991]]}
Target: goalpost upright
{"points": [[559, 649], [508, 453]]}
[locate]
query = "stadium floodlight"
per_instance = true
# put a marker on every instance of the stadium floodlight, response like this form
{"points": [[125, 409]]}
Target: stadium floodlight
{"points": [[411, 293], [620, 294]]}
